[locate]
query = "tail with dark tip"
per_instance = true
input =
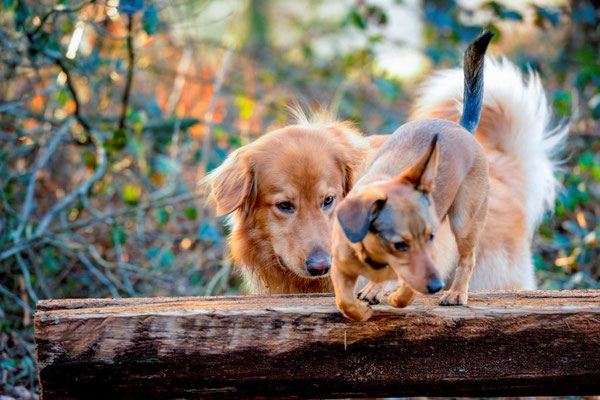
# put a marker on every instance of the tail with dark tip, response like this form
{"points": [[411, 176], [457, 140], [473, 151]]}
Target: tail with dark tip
{"points": [[473, 70]]}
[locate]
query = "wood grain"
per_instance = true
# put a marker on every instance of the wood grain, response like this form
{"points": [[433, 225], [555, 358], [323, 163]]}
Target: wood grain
{"points": [[502, 344]]}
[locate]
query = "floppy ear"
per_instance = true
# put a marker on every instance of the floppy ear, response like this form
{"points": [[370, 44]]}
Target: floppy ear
{"points": [[233, 184], [422, 173], [356, 213]]}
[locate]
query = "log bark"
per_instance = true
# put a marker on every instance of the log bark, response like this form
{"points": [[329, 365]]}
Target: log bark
{"points": [[502, 344]]}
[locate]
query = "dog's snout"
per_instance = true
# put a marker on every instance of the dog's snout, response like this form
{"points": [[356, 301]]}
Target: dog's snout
{"points": [[318, 262], [435, 284]]}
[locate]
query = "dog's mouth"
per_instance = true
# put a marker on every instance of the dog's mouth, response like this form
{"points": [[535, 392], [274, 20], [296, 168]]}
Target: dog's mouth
{"points": [[282, 263]]}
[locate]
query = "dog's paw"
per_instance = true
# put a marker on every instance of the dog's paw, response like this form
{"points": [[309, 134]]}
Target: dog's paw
{"points": [[451, 298], [371, 293], [375, 293], [402, 297], [358, 311]]}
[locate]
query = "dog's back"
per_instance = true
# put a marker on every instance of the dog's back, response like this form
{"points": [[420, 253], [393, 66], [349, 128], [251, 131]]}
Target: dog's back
{"points": [[460, 154]]}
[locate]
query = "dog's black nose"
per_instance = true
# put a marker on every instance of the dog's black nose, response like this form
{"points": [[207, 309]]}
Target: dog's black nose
{"points": [[435, 285], [318, 262]]}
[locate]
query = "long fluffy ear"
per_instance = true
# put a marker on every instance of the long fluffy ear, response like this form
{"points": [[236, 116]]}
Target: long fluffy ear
{"points": [[422, 173], [233, 184], [356, 213]]}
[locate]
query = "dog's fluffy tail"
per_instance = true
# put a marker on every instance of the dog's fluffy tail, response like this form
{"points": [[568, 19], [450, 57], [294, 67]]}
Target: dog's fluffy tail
{"points": [[515, 122], [473, 88]]}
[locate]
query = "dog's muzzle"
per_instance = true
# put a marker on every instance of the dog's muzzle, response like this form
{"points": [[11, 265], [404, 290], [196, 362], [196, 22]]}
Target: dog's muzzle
{"points": [[318, 262]]}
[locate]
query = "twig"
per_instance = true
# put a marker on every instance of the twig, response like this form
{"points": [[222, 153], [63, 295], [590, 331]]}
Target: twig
{"points": [[207, 141], [28, 204], [222, 274], [27, 277], [60, 9], [17, 247], [80, 190], [131, 55], [39, 275], [96, 272], [124, 275], [182, 68], [69, 81], [16, 298]]}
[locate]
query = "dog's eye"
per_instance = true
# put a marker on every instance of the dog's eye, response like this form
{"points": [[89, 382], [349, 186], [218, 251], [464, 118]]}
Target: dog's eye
{"points": [[401, 246], [328, 202], [431, 236], [285, 206]]}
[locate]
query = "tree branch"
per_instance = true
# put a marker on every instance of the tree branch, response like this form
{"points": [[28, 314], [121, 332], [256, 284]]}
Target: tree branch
{"points": [[28, 203], [80, 190], [131, 55]]}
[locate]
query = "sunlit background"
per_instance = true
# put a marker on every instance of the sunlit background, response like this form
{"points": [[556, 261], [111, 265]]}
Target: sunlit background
{"points": [[111, 112]]}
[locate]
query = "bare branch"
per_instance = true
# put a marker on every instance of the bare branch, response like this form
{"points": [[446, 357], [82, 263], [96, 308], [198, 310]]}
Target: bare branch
{"points": [[168, 200], [69, 81], [131, 55], [28, 204], [80, 190], [9, 294], [124, 275], [207, 142], [27, 276], [99, 275]]}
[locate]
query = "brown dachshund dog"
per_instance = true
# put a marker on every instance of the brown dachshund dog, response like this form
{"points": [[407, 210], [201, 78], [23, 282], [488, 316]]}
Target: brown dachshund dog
{"points": [[429, 170]]}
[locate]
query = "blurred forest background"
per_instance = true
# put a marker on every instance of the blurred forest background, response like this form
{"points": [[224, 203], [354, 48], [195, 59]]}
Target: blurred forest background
{"points": [[111, 111]]}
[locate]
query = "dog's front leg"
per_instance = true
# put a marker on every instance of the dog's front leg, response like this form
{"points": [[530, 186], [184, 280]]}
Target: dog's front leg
{"points": [[457, 295], [345, 300]]}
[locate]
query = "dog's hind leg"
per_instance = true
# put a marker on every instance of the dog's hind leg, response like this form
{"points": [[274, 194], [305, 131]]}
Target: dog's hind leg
{"points": [[467, 218]]}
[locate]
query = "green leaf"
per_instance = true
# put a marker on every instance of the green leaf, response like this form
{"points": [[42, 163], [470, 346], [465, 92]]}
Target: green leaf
{"points": [[511, 15], [358, 20], [130, 7], [150, 20], [162, 217], [131, 194], [167, 258], [586, 159], [22, 12], [168, 125], [191, 212], [117, 233], [118, 140], [7, 5]]}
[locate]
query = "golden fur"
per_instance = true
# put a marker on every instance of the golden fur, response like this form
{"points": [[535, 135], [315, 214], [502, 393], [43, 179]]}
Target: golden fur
{"points": [[301, 164]]}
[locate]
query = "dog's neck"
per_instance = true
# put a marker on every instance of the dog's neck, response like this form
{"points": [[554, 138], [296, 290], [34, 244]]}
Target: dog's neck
{"points": [[366, 259]]}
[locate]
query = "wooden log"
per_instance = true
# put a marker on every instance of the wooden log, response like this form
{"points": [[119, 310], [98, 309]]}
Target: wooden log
{"points": [[502, 344]]}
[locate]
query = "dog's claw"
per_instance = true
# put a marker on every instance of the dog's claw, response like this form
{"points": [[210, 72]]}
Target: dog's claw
{"points": [[453, 299], [371, 293]]}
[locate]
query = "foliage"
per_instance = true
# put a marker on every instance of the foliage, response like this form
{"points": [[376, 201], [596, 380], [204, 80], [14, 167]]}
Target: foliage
{"points": [[110, 116]]}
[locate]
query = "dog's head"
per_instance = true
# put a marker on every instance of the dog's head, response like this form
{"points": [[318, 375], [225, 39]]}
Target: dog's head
{"points": [[395, 222], [282, 190]]}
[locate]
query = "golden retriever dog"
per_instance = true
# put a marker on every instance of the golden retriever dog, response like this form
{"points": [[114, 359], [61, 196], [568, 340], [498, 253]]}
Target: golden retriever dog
{"points": [[280, 192], [430, 170]]}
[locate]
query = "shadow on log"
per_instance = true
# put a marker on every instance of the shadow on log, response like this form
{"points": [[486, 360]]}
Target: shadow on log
{"points": [[503, 344]]}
